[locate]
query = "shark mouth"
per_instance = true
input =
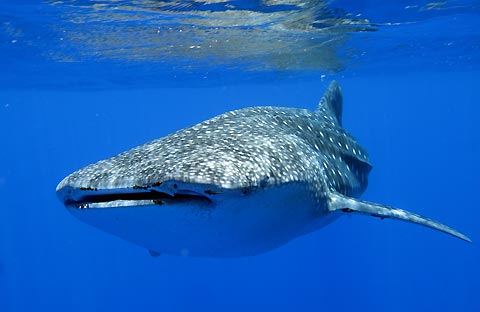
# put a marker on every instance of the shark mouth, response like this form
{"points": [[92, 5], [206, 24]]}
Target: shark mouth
{"points": [[89, 198]]}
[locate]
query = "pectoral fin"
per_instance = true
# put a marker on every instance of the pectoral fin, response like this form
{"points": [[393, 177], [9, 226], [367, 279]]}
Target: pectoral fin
{"points": [[339, 202]]}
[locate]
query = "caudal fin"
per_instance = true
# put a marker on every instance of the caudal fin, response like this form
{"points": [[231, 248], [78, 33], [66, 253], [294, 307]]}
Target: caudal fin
{"points": [[338, 202]]}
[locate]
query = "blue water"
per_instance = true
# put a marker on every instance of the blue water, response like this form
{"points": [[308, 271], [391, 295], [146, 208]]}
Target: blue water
{"points": [[79, 84]]}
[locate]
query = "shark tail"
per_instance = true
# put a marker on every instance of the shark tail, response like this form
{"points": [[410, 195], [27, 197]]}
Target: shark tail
{"points": [[339, 202]]}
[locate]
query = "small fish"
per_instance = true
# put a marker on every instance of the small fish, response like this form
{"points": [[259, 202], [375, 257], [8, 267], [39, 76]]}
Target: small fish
{"points": [[239, 184]]}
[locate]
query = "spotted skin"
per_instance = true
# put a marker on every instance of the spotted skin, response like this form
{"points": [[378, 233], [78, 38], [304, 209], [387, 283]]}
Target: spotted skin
{"points": [[239, 149]]}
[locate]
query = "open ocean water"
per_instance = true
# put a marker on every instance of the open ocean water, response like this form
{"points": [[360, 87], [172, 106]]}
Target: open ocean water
{"points": [[83, 80]]}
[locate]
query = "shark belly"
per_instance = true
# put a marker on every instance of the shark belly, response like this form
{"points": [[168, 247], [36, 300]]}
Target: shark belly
{"points": [[233, 225]]}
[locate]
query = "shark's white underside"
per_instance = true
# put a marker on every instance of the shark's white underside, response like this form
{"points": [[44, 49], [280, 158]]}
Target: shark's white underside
{"points": [[232, 224]]}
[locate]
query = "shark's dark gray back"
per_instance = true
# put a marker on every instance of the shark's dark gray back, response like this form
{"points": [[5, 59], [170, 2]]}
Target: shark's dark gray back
{"points": [[245, 148]]}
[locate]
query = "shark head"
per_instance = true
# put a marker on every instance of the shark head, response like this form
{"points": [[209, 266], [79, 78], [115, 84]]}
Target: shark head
{"points": [[239, 184]]}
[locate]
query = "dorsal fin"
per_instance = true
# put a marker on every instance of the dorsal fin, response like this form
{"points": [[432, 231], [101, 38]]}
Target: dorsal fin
{"points": [[331, 102]]}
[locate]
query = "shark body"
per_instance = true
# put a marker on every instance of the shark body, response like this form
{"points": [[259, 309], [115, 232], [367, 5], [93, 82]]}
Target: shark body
{"points": [[239, 184]]}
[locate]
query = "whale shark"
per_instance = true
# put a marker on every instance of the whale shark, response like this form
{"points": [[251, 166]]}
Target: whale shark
{"points": [[240, 184]]}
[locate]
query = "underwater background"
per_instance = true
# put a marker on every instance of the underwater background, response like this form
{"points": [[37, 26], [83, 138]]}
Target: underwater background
{"points": [[83, 80]]}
